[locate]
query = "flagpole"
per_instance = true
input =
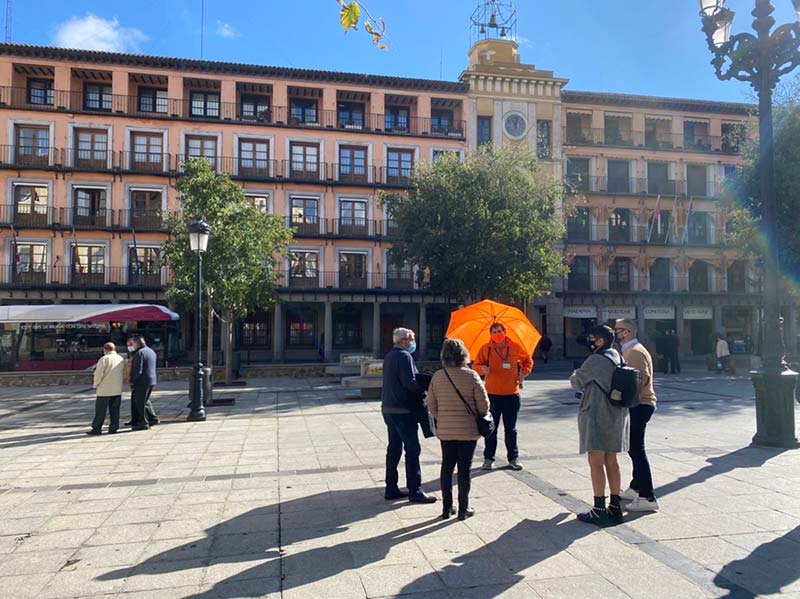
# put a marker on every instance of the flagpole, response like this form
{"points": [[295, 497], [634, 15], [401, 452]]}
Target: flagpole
{"points": [[657, 214], [673, 221], [688, 216]]}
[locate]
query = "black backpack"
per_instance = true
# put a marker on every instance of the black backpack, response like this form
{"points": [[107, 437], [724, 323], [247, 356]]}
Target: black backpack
{"points": [[626, 384]]}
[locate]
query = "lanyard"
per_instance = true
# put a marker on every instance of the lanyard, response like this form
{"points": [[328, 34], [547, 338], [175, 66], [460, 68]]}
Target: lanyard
{"points": [[503, 358]]}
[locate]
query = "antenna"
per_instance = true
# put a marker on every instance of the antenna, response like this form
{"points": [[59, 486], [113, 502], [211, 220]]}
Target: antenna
{"points": [[8, 21], [202, 24]]}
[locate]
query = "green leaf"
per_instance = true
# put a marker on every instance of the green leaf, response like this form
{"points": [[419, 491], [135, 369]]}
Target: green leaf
{"points": [[350, 15]]}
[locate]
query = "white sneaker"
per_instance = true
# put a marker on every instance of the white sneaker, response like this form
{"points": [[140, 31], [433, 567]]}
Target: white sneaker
{"points": [[629, 494], [642, 504], [487, 465]]}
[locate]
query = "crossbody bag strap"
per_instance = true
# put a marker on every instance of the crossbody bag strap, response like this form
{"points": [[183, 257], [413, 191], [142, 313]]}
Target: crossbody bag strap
{"points": [[459, 392]]}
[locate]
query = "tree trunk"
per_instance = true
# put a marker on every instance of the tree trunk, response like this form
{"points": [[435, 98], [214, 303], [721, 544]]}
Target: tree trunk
{"points": [[227, 327]]}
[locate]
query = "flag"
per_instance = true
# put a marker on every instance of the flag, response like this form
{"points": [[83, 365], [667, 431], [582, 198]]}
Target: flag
{"points": [[14, 249], [656, 219], [688, 221], [136, 263]]}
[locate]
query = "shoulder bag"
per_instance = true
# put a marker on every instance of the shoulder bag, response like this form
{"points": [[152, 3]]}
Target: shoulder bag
{"points": [[485, 422]]}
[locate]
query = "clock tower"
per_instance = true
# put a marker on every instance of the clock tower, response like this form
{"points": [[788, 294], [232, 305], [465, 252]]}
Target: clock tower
{"points": [[511, 103]]}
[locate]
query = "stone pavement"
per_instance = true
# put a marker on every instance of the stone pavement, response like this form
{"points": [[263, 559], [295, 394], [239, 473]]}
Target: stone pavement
{"points": [[280, 495]]}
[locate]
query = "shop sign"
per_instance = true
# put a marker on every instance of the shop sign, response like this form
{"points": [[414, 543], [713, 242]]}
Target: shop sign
{"points": [[580, 311], [698, 313], [67, 326], [616, 312], [659, 312]]}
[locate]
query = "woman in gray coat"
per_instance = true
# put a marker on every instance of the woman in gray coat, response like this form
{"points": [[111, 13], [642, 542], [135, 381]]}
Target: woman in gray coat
{"points": [[603, 428]]}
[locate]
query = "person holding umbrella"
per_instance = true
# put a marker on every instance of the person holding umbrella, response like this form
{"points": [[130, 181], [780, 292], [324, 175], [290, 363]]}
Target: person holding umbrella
{"points": [[504, 364]]}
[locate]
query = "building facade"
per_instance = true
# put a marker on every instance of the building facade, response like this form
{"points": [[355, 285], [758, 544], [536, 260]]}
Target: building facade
{"points": [[645, 228], [95, 141]]}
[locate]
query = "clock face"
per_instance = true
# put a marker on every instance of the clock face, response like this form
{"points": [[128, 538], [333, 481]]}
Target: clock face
{"points": [[515, 125]]}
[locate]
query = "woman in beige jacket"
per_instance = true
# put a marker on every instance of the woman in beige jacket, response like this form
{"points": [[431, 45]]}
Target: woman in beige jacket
{"points": [[455, 426]]}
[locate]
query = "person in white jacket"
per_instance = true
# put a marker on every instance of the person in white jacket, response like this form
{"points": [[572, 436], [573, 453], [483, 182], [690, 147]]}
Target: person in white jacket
{"points": [[109, 375]]}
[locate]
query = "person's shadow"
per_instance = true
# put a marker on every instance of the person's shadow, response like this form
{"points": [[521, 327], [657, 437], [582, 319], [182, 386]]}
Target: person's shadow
{"points": [[256, 536], [745, 457], [762, 572], [498, 566]]}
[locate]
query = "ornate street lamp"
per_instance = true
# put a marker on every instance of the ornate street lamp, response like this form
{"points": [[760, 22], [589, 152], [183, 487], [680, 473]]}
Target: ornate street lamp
{"points": [[199, 232], [761, 60]]}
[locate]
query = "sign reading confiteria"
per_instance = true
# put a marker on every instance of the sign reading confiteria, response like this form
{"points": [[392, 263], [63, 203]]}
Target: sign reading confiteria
{"points": [[659, 312], [619, 312], [580, 311], [698, 313]]}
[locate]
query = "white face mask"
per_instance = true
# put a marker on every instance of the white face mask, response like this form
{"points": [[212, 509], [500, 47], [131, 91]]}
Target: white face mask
{"points": [[131, 349]]}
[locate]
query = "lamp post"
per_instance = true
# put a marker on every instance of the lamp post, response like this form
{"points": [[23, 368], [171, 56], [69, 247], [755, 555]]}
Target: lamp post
{"points": [[199, 232], [761, 60]]}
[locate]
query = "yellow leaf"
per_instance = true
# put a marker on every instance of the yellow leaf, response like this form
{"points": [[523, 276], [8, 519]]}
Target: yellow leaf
{"points": [[350, 15]]}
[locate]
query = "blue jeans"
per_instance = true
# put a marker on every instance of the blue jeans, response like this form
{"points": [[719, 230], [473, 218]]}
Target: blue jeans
{"points": [[642, 477], [505, 407], [402, 429]]}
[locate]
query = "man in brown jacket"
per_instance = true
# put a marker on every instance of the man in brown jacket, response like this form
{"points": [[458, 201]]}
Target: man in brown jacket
{"points": [[640, 492]]}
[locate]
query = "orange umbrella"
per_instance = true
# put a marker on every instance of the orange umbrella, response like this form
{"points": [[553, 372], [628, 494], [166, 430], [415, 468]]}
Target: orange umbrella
{"points": [[471, 324]]}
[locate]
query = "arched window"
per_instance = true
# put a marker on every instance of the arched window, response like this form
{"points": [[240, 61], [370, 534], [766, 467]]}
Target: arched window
{"points": [[661, 275], [619, 275], [737, 276], [700, 276], [619, 225]]}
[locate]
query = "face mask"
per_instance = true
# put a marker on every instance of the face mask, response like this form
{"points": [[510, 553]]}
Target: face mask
{"points": [[131, 348], [498, 337], [412, 347], [593, 346]]}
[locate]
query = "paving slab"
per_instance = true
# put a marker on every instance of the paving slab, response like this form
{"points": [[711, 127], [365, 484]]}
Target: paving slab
{"points": [[280, 496]]}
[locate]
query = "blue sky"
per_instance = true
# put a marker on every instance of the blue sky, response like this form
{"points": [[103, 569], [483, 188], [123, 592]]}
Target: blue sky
{"points": [[652, 47]]}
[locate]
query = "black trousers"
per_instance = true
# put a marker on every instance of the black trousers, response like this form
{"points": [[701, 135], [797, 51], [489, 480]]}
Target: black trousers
{"points": [[642, 476], [505, 408], [105, 403], [142, 412], [456, 453], [402, 431]]}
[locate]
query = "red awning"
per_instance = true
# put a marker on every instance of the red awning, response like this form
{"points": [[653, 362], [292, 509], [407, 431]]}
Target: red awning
{"points": [[87, 313]]}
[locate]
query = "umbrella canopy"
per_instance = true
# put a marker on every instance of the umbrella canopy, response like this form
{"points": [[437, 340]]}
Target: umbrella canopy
{"points": [[471, 324]]}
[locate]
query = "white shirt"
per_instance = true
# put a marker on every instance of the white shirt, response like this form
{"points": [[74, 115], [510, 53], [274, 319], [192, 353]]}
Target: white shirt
{"points": [[722, 349], [629, 344]]}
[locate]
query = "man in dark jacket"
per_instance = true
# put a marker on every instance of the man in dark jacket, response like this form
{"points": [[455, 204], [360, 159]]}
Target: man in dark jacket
{"points": [[143, 379], [400, 389]]}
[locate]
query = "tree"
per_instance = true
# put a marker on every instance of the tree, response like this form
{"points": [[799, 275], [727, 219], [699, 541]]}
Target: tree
{"points": [[743, 194], [238, 267], [485, 226], [350, 17]]}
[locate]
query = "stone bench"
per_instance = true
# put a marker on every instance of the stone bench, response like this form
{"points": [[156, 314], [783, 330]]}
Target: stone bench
{"points": [[349, 365], [370, 382]]}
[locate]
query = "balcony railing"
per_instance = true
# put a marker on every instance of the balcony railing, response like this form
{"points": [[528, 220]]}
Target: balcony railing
{"points": [[142, 220], [79, 101], [316, 279], [157, 163], [642, 234], [652, 140], [145, 162], [357, 174], [579, 183], [89, 276], [398, 176], [637, 283]]}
